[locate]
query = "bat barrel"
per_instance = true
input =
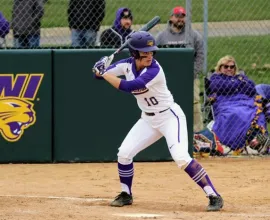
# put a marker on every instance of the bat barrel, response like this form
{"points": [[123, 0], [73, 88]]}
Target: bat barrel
{"points": [[150, 24]]}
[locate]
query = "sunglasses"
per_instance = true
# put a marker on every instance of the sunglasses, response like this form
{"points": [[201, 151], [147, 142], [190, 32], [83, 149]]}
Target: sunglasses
{"points": [[229, 66]]}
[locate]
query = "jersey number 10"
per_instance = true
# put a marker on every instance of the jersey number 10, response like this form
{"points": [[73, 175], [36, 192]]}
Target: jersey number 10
{"points": [[151, 100]]}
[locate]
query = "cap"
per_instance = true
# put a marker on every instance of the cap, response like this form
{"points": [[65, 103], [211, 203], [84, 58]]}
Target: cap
{"points": [[178, 11], [126, 13]]}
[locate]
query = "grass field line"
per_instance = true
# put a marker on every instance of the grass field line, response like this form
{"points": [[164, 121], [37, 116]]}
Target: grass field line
{"points": [[58, 197]]}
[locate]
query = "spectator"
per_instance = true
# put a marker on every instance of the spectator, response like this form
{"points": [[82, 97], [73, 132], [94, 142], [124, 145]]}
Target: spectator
{"points": [[4, 29], [26, 22], [116, 35], [175, 34], [239, 118], [84, 18]]}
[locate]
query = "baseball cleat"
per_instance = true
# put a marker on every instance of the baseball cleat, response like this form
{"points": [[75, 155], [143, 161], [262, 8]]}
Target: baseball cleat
{"points": [[122, 199], [215, 203]]}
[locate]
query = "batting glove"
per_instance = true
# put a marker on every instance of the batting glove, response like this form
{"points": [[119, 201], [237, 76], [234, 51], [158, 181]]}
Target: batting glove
{"points": [[100, 66]]}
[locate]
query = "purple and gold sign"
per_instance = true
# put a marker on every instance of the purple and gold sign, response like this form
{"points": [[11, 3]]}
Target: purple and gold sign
{"points": [[17, 94]]}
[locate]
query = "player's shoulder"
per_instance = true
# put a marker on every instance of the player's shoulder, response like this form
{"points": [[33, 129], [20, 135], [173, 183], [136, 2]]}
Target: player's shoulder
{"points": [[122, 64], [155, 65], [154, 69], [124, 61]]}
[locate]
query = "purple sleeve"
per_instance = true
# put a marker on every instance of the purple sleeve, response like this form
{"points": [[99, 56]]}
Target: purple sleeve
{"points": [[141, 81]]}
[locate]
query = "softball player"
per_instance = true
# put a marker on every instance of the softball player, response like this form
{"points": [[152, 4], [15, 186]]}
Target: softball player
{"points": [[161, 116]]}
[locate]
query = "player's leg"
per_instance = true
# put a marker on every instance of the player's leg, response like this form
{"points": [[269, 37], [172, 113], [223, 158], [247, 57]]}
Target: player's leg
{"points": [[139, 137], [76, 38], [175, 132], [90, 37]]}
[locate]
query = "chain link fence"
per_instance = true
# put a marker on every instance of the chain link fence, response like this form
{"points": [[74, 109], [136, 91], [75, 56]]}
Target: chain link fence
{"points": [[240, 28], [234, 114]]}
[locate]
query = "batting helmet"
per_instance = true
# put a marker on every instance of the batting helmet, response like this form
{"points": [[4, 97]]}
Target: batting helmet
{"points": [[141, 41]]}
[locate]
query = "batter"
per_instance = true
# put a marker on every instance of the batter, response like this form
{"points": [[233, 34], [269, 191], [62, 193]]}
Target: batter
{"points": [[161, 117]]}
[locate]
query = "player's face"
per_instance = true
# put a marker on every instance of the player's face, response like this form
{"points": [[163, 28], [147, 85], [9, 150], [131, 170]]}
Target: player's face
{"points": [[126, 23], [228, 68], [146, 58], [178, 20]]}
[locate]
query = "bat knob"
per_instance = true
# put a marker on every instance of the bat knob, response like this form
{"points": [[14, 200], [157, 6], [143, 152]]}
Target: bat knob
{"points": [[94, 70]]}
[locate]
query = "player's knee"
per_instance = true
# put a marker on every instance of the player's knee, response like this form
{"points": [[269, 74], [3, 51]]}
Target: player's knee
{"points": [[124, 161], [182, 164], [181, 157], [124, 156]]}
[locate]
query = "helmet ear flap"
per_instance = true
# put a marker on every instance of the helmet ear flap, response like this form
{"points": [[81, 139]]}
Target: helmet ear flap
{"points": [[134, 53]]}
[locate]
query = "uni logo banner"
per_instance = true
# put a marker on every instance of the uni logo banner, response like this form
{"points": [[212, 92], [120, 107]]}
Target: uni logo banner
{"points": [[17, 94]]}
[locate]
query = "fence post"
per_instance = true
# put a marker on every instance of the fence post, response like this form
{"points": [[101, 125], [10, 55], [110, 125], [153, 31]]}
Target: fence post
{"points": [[205, 34], [188, 22]]}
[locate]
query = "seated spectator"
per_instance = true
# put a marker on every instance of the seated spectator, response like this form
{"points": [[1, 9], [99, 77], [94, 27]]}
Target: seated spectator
{"points": [[117, 34], [4, 29], [239, 118]]}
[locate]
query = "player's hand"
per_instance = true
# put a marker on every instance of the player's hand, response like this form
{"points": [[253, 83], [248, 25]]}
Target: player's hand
{"points": [[100, 66]]}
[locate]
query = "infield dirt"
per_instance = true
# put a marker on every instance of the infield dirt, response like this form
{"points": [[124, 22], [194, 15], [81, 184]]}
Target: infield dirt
{"points": [[84, 191]]}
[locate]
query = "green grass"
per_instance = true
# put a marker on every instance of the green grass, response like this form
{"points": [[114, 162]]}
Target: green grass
{"points": [[144, 10], [248, 51]]}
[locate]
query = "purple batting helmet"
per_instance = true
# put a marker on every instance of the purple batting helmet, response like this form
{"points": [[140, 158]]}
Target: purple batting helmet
{"points": [[141, 41]]}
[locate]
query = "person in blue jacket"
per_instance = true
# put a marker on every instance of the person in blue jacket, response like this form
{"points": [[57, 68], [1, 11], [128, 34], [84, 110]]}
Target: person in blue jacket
{"points": [[117, 34], [4, 29]]}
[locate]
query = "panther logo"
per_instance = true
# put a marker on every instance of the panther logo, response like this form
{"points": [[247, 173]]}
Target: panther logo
{"points": [[15, 116], [150, 43]]}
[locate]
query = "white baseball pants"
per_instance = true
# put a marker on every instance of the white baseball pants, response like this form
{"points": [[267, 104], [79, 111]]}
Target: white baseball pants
{"points": [[148, 129]]}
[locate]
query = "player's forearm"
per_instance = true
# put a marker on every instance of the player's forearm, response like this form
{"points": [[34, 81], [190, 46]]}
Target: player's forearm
{"points": [[113, 80], [123, 85]]}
